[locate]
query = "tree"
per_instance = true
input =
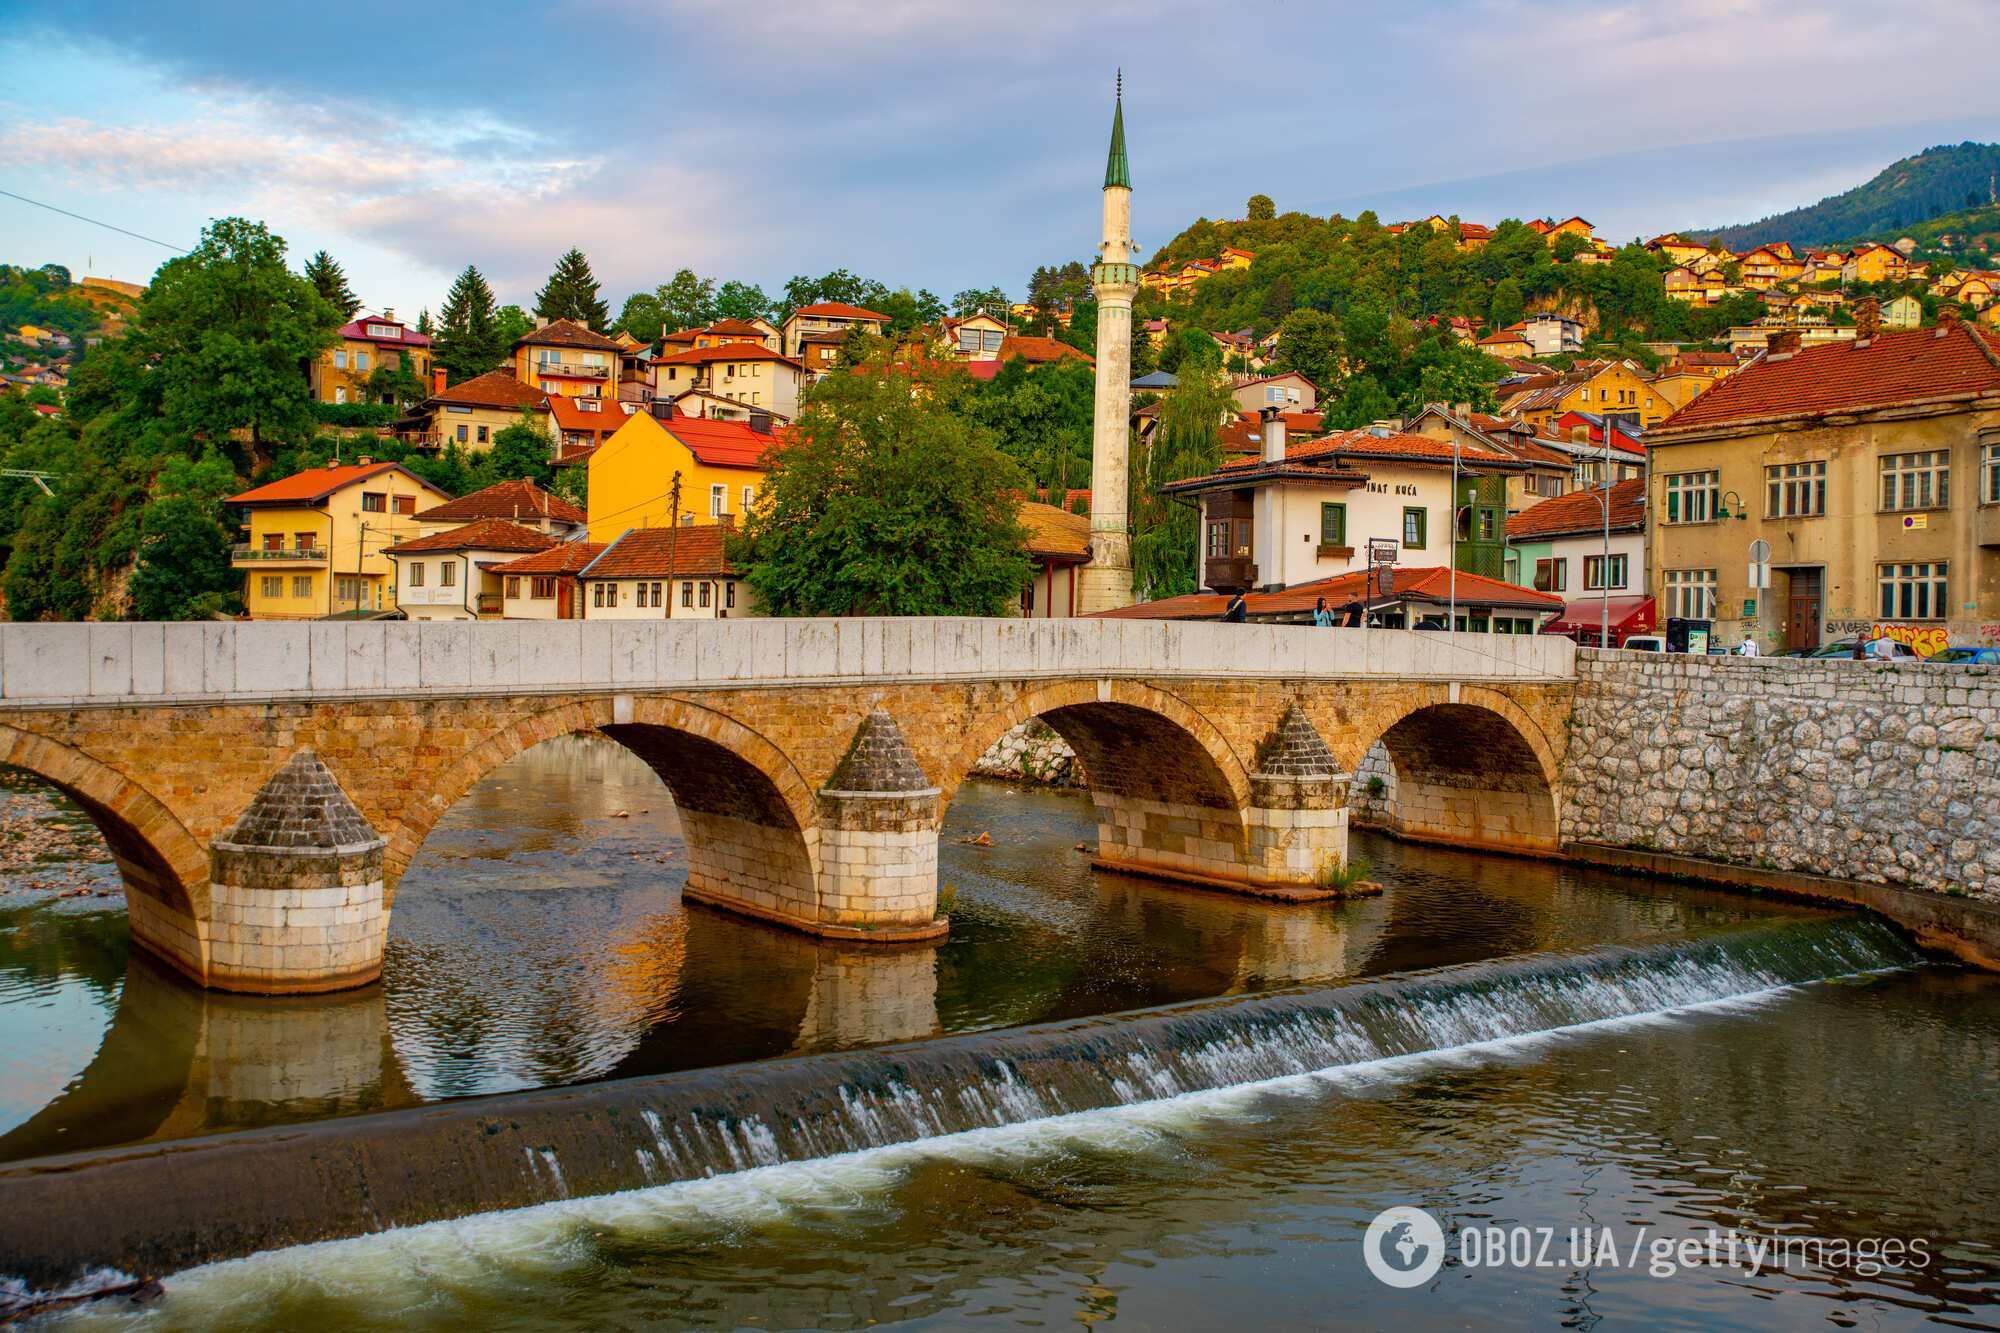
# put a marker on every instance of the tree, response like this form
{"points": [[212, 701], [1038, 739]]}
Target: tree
{"points": [[424, 325], [1362, 400], [228, 328], [510, 325], [1261, 209], [330, 282], [744, 300], [466, 343], [641, 316], [883, 505], [1507, 307], [687, 300], [392, 381], [519, 450], [571, 293], [980, 301], [1309, 342], [1187, 443], [183, 571]]}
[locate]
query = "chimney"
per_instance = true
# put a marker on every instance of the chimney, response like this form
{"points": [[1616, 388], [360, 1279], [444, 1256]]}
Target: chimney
{"points": [[1463, 411], [1781, 344], [760, 422], [1274, 434], [541, 321], [437, 379], [364, 461], [1947, 320], [389, 313], [1867, 319]]}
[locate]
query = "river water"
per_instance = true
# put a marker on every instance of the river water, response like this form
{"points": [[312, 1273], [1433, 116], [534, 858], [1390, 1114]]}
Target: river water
{"points": [[1814, 1083]]}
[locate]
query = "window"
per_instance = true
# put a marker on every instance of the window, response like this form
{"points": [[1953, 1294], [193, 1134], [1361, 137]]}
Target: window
{"points": [[1692, 497], [361, 360], [718, 500], [406, 504], [1218, 540], [542, 588], [748, 491], [597, 594], [1552, 574], [271, 586], [416, 574], [658, 588], [1913, 591], [374, 502], [704, 595], [340, 358], [1917, 481], [1510, 567], [305, 541], [463, 434], [447, 573], [687, 595], [274, 541], [1414, 522], [1990, 470], [485, 434], [513, 588], [347, 590], [384, 331], [1594, 572], [302, 585], [1489, 525], [729, 596], [340, 394], [1332, 526], [1691, 593], [1795, 490]]}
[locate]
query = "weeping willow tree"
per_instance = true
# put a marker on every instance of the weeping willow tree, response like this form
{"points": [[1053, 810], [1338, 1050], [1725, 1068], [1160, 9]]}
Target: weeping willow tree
{"points": [[1187, 443]]}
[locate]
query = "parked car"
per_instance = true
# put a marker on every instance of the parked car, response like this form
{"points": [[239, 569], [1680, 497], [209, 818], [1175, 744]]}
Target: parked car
{"points": [[1845, 648], [1645, 643], [1982, 655]]}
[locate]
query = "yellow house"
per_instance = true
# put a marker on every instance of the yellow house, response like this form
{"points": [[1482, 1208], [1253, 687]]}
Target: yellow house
{"points": [[1874, 263], [720, 465], [471, 412], [315, 539], [565, 357], [365, 345], [1233, 258], [1675, 248], [1608, 388]]}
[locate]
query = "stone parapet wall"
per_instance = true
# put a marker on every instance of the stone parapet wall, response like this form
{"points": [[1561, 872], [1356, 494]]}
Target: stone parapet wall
{"points": [[1883, 773]]}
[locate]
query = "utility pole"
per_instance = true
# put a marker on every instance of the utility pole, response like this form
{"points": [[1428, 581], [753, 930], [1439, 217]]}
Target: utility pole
{"points": [[673, 537]]}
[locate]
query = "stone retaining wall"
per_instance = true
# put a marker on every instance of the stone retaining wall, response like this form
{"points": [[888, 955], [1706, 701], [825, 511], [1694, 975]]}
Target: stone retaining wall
{"points": [[1883, 773], [1031, 752]]}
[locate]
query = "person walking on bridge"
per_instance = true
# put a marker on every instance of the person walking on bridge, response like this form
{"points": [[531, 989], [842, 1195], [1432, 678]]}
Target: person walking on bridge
{"points": [[1322, 617], [1237, 611]]}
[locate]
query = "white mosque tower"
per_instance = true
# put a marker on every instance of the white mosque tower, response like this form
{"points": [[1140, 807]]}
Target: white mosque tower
{"points": [[1107, 579]]}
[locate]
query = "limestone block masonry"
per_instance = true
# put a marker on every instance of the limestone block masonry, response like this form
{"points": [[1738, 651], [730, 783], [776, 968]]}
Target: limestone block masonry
{"points": [[879, 840], [1884, 773]]}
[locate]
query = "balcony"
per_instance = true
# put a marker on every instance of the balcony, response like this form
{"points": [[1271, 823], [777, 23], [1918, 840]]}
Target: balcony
{"points": [[575, 370], [1231, 573], [1986, 525], [490, 604], [248, 554]]}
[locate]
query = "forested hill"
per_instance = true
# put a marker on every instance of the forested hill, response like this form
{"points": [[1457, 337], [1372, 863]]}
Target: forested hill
{"points": [[1934, 182]]}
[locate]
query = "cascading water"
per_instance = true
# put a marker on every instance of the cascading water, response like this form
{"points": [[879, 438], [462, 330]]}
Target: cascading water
{"points": [[162, 1207]]}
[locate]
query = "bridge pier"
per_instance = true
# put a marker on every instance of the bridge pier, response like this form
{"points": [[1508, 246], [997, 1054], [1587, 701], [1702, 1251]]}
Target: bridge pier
{"points": [[878, 841]]}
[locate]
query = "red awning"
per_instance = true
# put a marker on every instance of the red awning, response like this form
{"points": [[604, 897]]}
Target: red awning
{"points": [[1585, 615]]}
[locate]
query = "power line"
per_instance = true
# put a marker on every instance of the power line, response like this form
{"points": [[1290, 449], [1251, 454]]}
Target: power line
{"points": [[179, 249]]}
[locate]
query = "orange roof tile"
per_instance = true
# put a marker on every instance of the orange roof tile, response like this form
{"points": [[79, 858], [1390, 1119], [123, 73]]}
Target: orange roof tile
{"points": [[316, 483], [643, 553], [1039, 350], [840, 310], [1948, 363], [725, 443], [504, 499], [496, 388], [563, 558], [488, 534], [599, 416], [567, 333], [1583, 511], [701, 356]]}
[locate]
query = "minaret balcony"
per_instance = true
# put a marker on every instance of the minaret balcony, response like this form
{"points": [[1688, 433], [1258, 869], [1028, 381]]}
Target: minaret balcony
{"points": [[1114, 275]]}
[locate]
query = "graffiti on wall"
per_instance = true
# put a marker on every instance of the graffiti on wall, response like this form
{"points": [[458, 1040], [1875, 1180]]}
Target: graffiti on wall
{"points": [[1923, 640]]}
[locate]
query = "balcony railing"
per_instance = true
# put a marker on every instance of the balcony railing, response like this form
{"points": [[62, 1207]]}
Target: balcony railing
{"points": [[490, 604], [1231, 573], [246, 551], [572, 369]]}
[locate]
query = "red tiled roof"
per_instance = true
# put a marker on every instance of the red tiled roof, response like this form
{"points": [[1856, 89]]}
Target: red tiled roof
{"points": [[1583, 511], [406, 336], [562, 558], [724, 443], [599, 416], [728, 327], [1419, 585], [1705, 359], [496, 388], [1039, 350], [315, 484], [1397, 446], [567, 333], [488, 534], [1245, 434], [701, 356], [1948, 363], [642, 553], [504, 499], [840, 310]]}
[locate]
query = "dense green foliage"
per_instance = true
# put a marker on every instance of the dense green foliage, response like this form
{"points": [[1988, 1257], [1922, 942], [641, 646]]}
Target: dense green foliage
{"points": [[1936, 181], [330, 281], [571, 293], [1966, 238], [467, 341], [1165, 531], [1040, 416], [884, 505], [43, 297]]}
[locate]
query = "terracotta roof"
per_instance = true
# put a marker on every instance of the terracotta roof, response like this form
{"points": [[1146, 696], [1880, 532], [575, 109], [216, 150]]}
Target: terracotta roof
{"points": [[1039, 350], [1583, 511], [1705, 359], [1948, 363], [599, 416], [1418, 585], [1244, 435], [1273, 379], [1364, 444], [840, 310], [735, 326], [724, 443], [405, 336], [562, 558], [701, 356], [1056, 533], [641, 553], [315, 484], [488, 534], [1506, 336], [504, 499], [496, 388], [567, 333]]}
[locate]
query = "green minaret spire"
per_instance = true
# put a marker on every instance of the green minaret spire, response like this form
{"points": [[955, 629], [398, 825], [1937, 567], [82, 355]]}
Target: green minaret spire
{"points": [[1117, 169]]}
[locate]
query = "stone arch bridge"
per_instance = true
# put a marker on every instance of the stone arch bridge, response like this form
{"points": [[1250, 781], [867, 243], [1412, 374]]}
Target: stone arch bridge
{"points": [[263, 786]]}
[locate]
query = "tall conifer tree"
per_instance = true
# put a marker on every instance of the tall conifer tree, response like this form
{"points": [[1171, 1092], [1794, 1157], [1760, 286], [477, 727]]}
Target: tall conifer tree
{"points": [[571, 293], [466, 342], [326, 276]]}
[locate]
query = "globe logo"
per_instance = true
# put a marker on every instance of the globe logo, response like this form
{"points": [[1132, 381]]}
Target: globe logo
{"points": [[1403, 1247]]}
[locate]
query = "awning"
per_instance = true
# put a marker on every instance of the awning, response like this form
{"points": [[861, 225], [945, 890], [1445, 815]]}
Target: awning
{"points": [[1586, 615]]}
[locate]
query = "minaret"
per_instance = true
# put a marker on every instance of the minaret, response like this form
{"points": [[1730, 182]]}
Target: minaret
{"points": [[1107, 579]]}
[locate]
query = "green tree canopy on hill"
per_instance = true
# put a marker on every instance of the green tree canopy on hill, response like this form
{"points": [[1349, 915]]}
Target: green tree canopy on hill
{"points": [[1187, 443], [467, 342], [571, 293]]}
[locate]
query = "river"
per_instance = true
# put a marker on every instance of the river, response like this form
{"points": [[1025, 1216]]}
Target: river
{"points": [[1641, 1061]]}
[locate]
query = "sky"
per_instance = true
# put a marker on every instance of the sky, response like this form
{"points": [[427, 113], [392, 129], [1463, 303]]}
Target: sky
{"points": [[945, 145]]}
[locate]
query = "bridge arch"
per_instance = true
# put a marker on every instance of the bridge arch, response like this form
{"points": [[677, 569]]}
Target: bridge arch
{"points": [[164, 868], [747, 812], [1470, 768]]}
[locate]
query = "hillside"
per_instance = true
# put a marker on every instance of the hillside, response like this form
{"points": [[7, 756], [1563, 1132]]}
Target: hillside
{"points": [[1935, 182], [1969, 237]]}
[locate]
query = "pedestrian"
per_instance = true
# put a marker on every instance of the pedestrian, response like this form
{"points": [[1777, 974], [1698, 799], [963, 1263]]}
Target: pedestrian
{"points": [[1352, 617], [1861, 647], [1237, 611], [1883, 649], [1322, 617], [1747, 648]]}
